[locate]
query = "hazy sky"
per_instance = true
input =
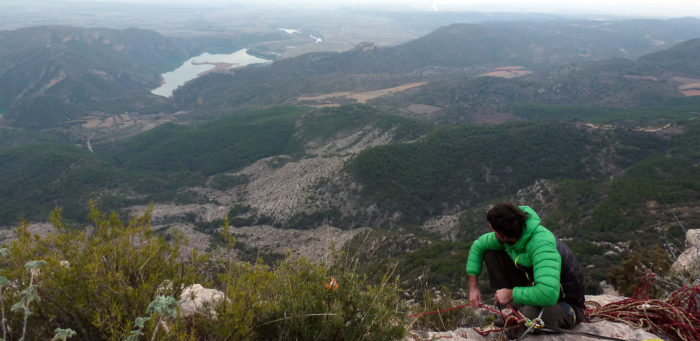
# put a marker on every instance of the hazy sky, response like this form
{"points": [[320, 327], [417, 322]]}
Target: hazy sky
{"points": [[663, 8]]}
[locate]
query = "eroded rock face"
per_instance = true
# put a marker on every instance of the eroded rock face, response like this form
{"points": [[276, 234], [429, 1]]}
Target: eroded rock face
{"points": [[539, 194], [689, 260], [164, 213], [347, 144], [282, 192], [195, 297], [445, 226], [314, 244]]}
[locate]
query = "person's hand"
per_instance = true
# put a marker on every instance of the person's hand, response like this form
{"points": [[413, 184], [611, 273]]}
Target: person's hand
{"points": [[475, 297], [504, 296]]}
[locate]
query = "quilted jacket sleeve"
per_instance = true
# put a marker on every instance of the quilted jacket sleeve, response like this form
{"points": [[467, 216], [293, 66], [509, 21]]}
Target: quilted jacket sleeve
{"points": [[546, 263], [476, 252]]}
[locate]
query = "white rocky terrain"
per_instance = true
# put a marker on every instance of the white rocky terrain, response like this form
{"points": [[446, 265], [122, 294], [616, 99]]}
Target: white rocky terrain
{"points": [[279, 188], [315, 244], [602, 328], [282, 192]]}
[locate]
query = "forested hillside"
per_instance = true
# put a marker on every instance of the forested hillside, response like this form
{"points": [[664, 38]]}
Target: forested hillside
{"points": [[52, 75], [459, 49], [589, 122]]}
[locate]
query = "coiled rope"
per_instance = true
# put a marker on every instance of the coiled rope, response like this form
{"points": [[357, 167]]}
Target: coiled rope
{"points": [[677, 316]]}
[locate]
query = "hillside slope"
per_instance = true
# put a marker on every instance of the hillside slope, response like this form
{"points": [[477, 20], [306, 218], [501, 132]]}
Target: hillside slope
{"points": [[458, 49]]}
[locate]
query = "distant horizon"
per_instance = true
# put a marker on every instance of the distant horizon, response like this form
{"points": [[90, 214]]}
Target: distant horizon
{"points": [[619, 8]]}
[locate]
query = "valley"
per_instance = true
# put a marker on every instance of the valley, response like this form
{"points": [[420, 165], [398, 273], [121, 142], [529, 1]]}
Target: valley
{"points": [[284, 137]]}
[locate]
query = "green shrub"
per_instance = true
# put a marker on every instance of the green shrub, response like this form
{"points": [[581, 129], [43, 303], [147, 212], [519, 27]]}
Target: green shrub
{"points": [[626, 275], [446, 320], [292, 302], [117, 281], [98, 281]]}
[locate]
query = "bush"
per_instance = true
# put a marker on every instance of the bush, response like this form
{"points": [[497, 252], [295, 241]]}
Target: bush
{"points": [[117, 281], [296, 301], [626, 275], [96, 282], [447, 320]]}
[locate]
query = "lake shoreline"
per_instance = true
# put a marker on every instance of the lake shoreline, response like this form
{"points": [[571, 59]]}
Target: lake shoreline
{"points": [[201, 65]]}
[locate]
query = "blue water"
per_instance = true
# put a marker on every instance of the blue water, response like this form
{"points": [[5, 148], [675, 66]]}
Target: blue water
{"points": [[188, 71]]}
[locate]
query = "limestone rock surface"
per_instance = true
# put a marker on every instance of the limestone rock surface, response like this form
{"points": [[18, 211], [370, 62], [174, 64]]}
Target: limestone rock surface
{"points": [[195, 297], [690, 258]]}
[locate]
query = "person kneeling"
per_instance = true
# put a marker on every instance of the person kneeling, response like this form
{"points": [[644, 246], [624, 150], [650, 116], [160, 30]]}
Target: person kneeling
{"points": [[528, 267]]}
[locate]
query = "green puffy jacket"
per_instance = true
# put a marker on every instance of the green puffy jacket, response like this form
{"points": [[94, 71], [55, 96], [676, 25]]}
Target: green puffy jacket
{"points": [[536, 248]]}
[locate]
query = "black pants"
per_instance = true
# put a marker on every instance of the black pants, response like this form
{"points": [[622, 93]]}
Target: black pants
{"points": [[504, 274]]}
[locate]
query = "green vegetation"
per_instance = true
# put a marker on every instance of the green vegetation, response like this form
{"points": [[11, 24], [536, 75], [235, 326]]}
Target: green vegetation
{"points": [[609, 183], [121, 271], [224, 145], [420, 260], [11, 138], [460, 49], [679, 109], [86, 65], [660, 173], [99, 288], [447, 320], [677, 59], [225, 182], [325, 124], [41, 170], [38, 178], [625, 275], [463, 165]]}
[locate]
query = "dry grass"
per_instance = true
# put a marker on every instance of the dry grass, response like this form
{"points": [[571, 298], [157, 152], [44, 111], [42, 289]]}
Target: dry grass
{"points": [[642, 77], [331, 99], [507, 72], [694, 92]]}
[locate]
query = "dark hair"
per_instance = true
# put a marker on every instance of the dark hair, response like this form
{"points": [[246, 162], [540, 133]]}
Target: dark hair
{"points": [[507, 219]]}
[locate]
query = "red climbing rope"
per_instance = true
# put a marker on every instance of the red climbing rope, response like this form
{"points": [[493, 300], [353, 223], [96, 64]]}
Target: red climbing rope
{"points": [[677, 316], [512, 319]]}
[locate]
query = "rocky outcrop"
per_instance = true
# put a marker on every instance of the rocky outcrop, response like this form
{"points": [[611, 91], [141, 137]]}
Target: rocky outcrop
{"points": [[347, 143], [314, 244], [166, 213], [539, 195], [689, 260], [196, 297], [444, 226], [602, 328], [280, 192]]}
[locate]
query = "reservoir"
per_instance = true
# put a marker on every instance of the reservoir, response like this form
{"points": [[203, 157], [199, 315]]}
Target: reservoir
{"points": [[199, 65]]}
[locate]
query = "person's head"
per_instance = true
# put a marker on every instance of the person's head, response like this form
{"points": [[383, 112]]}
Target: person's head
{"points": [[507, 221]]}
